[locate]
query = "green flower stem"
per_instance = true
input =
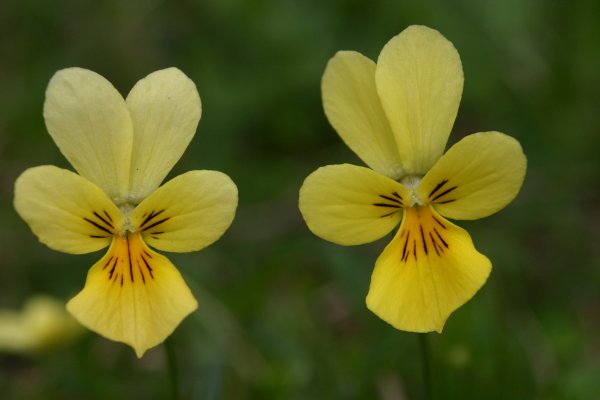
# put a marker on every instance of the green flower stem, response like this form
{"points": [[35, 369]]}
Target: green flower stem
{"points": [[172, 368], [425, 364]]}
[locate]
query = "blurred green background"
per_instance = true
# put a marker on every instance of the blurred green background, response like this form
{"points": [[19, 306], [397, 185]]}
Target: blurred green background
{"points": [[282, 313]]}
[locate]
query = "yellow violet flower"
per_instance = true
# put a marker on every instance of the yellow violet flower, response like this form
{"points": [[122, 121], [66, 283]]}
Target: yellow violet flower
{"points": [[396, 115], [122, 150], [42, 325]]}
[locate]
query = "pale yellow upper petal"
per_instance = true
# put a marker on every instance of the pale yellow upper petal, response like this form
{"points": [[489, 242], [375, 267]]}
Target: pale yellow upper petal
{"points": [[165, 110], [419, 79], [66, 211], [89, 121], [133, 295], [430, 269], [353, 108], [477, 177], [350, 205], [189, 212]]}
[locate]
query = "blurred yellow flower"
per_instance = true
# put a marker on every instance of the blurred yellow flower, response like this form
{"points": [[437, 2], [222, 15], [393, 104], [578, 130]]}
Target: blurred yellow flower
{"points": [[42, 325], [396, 115], [122, 150]]}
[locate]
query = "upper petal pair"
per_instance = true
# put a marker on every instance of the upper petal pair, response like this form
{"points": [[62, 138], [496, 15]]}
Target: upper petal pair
{"points": [[126, 147], [396, 115]]}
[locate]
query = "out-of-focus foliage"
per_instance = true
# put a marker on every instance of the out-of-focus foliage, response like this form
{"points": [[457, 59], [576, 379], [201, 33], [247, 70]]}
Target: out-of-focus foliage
{"points": [[282, 313]]}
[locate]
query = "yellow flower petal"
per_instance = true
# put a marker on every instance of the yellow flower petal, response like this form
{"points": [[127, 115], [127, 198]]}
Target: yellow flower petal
{"points": [[133, 295], [349, 205], [353, 108], [67, 212], [13, 336], [428, 270], [188, 213], [42, 325], [419, 80], [88, 120], [165, 110], [477, 177]]}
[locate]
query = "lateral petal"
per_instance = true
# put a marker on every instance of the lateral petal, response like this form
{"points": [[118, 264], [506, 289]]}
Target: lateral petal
{"points": [[349, 205], [66, 211], [89, 122], [353, 108], [419, 80], [133, 295], [188, 213], [165, 110], [477, 177], [428, 270]]}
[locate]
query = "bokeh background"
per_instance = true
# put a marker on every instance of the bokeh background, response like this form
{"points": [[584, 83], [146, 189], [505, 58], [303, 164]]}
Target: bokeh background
{"points": [[282, 313]]}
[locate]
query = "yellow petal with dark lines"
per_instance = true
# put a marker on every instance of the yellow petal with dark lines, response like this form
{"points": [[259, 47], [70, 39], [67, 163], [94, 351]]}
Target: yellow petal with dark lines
{"points": [[477, 177], [430, 269], [133, 295], [66, 211], [351, 205], [188, 213]]}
